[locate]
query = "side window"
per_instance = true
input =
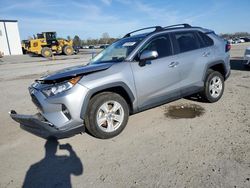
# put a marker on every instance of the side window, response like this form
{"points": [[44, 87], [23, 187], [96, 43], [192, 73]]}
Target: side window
{"points": [[161, 44], [186, 41], [207, 41]]}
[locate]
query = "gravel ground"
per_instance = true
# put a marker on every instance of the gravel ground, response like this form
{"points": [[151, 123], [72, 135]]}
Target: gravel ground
{"points": [[154, 150]]}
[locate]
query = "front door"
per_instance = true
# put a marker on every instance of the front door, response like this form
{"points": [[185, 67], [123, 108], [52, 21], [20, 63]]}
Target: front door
{"points": [[157, 81]]}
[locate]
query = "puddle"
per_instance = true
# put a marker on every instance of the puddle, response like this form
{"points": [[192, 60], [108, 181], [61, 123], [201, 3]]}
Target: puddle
{"points": [[184, 111]]}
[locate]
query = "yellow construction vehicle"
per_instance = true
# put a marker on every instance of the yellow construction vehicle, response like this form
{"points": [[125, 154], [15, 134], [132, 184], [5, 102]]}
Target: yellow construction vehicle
{"points": [[46, 44], [25, 46]]}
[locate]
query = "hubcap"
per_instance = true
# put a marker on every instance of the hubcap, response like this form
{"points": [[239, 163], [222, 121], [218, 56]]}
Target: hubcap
{"points": [[110, 116], [215, 87], [68, 50], [47, 53]]}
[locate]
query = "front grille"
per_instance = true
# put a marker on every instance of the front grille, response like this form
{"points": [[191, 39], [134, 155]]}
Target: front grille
{"points": [[36, 102]]}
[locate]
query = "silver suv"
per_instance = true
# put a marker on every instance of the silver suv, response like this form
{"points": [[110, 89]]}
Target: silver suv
{"points": [[138, 72]]}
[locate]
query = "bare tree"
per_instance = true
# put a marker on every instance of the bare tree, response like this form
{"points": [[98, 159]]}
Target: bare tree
{"points": [[105, 37], [77, 41], [235, 35]]}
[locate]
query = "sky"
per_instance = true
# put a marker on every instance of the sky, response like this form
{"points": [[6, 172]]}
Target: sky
{"points": [[90, 19]]}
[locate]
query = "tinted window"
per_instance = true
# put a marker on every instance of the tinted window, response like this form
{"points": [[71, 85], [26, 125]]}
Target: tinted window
{"points": [[186, 41], [161, 44], [207, 41]]}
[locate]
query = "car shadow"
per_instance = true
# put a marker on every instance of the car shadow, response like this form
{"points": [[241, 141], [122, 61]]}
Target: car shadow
{"points": [[196, 98], [238, 64], [54, 170]]}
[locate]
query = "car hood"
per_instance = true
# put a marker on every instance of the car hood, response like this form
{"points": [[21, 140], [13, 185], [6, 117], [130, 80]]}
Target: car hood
{"points": [[71, 72]]}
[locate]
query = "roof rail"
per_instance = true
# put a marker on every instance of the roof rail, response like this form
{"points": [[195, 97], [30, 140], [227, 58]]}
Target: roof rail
{"points": [[185, 25], [157, 28]]}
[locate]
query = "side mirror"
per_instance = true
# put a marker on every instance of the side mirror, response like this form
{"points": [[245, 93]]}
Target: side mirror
{"points": [[147, 55]]}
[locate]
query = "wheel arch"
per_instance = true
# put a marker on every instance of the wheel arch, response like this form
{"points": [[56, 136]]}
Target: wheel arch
{"points": [[216, 66], [119, 87]]}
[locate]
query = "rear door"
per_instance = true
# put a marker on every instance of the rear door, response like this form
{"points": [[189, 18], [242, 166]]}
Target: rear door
{"points": [[157, 81], [193, 56]]}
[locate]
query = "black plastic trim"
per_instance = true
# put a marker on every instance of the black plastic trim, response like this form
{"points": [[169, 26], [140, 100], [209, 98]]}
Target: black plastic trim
{"points": [[171, 97], [37, 125], [157, 28], [190, 90], [101, 88], [178, 25], [161, 100], [220, 62]]}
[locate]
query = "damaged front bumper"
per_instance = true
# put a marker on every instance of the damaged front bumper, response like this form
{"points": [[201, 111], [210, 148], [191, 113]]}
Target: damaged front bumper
{"points": [[39, 126]]}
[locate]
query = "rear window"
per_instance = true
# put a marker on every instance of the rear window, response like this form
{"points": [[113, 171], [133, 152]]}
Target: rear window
{"points": [[206, 40], [186, 41]]}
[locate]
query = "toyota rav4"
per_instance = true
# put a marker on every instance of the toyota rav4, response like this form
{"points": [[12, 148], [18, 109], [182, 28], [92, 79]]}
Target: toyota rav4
{"points": [[135, 73]]}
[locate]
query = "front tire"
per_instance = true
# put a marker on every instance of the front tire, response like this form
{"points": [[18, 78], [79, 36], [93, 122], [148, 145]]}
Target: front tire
{"points": [[107, 115], [68, 50], [214, 86], [46, 52]]}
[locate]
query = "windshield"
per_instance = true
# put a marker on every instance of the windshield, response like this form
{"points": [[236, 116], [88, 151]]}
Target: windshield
{"points": [[118, 51]]}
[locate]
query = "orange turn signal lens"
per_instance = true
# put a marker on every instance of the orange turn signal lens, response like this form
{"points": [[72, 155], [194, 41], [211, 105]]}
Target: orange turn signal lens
{"points": [[75, 80]]}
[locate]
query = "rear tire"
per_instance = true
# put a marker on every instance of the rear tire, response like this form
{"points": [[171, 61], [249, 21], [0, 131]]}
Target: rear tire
{"points": [[24, 51], [107, 115], [213, 86], [68, 50], [46, 52]]}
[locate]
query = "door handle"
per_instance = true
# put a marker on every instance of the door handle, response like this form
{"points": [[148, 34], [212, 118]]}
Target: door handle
{"points": [[173, 64], [206, 54]]}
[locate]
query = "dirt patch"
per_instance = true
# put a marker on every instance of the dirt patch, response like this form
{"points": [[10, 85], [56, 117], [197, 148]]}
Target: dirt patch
{"points": [[245, 76], [24, 77], [243, 86], [184, 111], [241, 153]]}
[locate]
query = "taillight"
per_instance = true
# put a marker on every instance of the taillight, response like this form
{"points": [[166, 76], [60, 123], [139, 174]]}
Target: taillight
{"points": [[228, 46]]}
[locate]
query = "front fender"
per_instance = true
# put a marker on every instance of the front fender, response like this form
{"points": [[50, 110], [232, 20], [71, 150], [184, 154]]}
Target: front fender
{"points": [[103, 88]]}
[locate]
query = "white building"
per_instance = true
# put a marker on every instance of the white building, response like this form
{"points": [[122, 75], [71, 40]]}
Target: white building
{"points": [[10, 43]]}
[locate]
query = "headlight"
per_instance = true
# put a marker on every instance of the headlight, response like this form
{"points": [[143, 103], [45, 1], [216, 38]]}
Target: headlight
{"points": [[59, 88]]}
